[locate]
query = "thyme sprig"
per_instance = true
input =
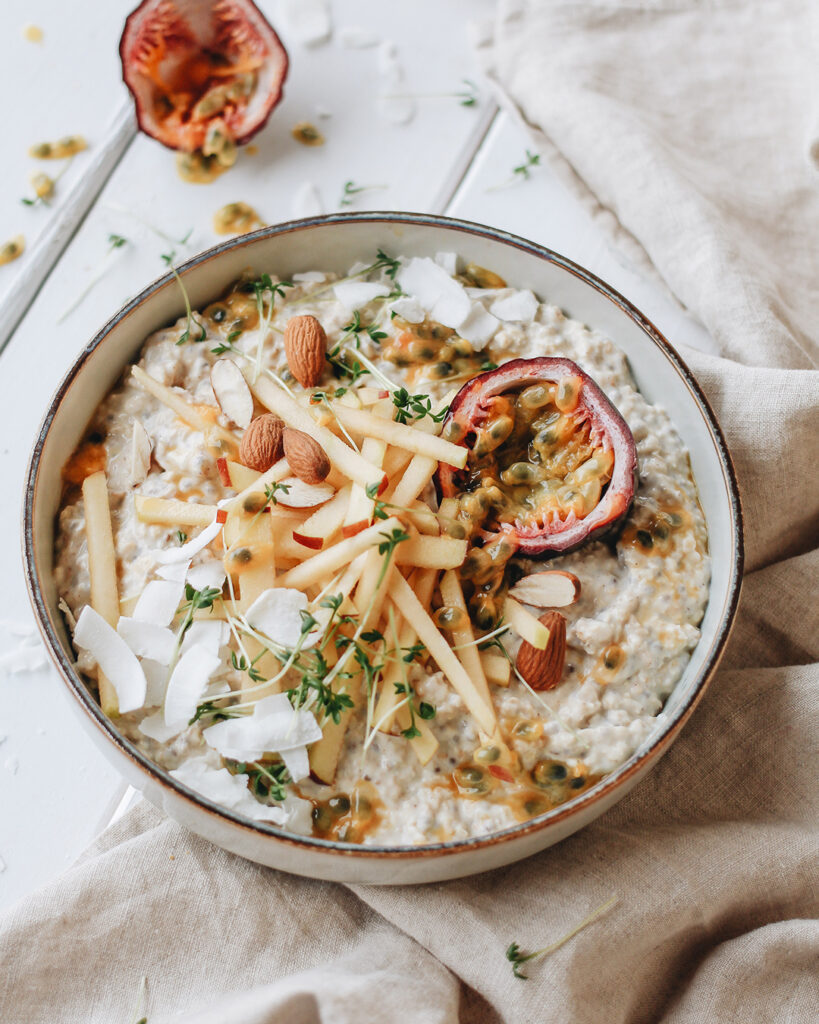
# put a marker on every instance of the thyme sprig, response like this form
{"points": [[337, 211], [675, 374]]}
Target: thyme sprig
{"points": [[115, 242], [516, 956]]}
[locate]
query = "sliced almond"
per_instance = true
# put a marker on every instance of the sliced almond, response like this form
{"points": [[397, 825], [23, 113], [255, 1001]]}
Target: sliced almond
{"points": [[305, 345], [262, 443], [305, 456], [552, 589], [231, 392], [543, 670], [302, 495], [140, 453]]}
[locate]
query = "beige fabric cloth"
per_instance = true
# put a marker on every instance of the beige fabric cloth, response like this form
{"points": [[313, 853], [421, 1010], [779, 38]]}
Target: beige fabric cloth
{"points": [[689, 123]]}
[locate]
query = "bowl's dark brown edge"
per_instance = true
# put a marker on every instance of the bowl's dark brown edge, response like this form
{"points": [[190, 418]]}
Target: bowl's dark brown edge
{"points": [[603, 788]]}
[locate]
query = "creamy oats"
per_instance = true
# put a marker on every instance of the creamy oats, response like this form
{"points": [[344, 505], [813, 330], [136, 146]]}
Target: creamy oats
{"points": [[629, 636]]}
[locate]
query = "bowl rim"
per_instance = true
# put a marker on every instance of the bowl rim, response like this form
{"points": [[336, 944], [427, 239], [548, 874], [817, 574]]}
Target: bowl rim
{"points": [[631, 769]]}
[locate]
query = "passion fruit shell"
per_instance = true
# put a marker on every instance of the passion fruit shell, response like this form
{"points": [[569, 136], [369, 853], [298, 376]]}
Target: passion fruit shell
{"points": [[543, 537], [190, 63]]}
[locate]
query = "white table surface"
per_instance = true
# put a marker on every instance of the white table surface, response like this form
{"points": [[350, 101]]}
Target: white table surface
{"points": [[56, 791]]}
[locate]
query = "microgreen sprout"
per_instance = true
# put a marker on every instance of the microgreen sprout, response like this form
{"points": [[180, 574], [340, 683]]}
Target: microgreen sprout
{"points": [[265, 781], [415, 407], [355, 327], [466, 97], [168, 259], [487, 364], [522, 172], [271, 490], [114, 242], [181, 536], [351, 189], [516, 956]]}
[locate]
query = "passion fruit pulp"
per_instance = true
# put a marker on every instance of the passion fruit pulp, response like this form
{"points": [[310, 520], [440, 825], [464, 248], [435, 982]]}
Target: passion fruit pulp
{"points": [[552, 463], [204, 75]]}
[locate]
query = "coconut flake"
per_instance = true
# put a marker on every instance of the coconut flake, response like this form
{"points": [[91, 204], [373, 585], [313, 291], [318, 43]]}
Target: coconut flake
{"points": [[392, 104], [308, 21], [140, 454], [187, 684], [231, 392], [147, 639], [115, 658], [297, 762], [409, 309], [225, 789], [159, 601], [210, 634], [274, 727], [156, 676], [176, 571], [25, 658], [439, 294], [277, 614], [358, 38], [307, 201], [479, 327], [309, 277], [519, 307], [302, 495], [186, 551], [153, 726], [207, 575], [354, 294], [447, 260]]}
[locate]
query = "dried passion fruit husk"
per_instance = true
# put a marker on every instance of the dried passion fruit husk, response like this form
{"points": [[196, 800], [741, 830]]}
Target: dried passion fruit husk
{"points": [[553, 464], [199, 69]]}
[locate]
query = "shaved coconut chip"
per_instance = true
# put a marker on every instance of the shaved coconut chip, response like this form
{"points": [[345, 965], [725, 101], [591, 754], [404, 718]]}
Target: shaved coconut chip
{"points": [[277, 614], [157, 679], [358, 38], [210, 635], [176, 572], [453, 308], [519, 307], [354, 294], [409, 309], [309, 277], [186, 551], [187, 684], [140, 454], [308, 21], [25, 658], [307, 201], [207, 575], [396, 109], [442, 297], [147, 639], [479, 327], [159, 601], [225, 789], [153, 726], [231, 392], [302, 495], [115, 658], [296, 762], [273, 727], [447, 260]]}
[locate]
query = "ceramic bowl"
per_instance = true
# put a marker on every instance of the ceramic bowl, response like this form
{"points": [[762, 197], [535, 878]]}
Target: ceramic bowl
{"points": [[335, 242]]}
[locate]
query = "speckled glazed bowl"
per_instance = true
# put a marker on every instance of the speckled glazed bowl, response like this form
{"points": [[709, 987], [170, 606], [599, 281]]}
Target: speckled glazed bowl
{"points": [[335, 242]]}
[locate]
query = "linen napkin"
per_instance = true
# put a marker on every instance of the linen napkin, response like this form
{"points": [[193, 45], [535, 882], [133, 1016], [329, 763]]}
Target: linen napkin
{"points": [[687, 127]]}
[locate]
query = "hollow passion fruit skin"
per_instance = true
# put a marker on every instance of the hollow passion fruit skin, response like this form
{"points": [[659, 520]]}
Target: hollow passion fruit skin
{"points": [[552, 463], [204, 76]]}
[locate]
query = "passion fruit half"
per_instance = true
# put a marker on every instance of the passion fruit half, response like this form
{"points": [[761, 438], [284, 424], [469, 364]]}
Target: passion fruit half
{"points": [[201, 72], [552, 463]]}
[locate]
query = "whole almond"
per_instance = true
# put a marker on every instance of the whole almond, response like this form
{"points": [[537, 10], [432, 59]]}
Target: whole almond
{"points": [[262, 443], [305, 456], [543, 670], [305, 345]]}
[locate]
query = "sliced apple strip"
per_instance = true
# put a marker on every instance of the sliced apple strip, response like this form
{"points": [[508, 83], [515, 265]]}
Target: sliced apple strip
{"points": [[172, 512], [241, 476], [402, 435], [416, 476], [424, 519], [323, 523], [252, 497], [404, 598], [325, 753], [185, 410], [320, 567], [496, 668], [350, 463], [463, 638], [525, 624], [102, 568], [431, 552]]}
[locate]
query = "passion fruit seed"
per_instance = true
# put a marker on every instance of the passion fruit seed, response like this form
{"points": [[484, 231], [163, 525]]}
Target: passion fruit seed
{"points": [[520, 473], [339, 805], [242, 556], [535, 397], [487, 755], [567, 395], [448, 617], [453, 431]]}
